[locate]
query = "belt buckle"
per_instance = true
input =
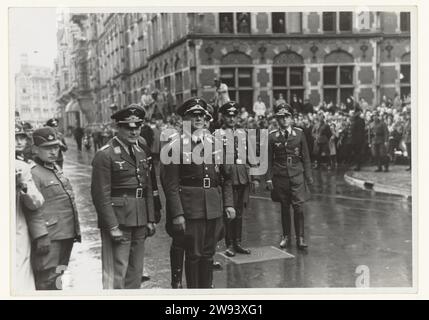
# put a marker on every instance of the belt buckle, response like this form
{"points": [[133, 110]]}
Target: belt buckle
{"points": [[206, 183], [289, 161], [139, 193]]}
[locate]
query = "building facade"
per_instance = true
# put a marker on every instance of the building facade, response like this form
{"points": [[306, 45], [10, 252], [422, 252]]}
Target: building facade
{"points": [[34, 93], [319, 56]]}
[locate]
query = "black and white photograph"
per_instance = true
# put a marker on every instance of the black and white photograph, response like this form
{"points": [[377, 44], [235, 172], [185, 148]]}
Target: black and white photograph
{"points": [[168, 149]]}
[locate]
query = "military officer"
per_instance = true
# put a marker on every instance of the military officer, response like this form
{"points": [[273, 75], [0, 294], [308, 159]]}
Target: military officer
{"points": [[121, 190], [197, 193], [288, 166], [240, 177], [52, 235], [379, 142], [53, 123]]}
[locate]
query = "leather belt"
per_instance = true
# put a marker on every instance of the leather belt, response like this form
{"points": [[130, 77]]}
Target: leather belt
{"points": [[132, 193], [205, 183]]}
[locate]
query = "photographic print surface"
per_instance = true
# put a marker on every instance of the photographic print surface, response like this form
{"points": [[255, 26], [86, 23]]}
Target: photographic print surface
{"points": [[121, 117]]}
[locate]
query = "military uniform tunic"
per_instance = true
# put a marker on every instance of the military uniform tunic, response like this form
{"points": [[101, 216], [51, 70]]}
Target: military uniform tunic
{"points": [[122, 195], [199, 193]]}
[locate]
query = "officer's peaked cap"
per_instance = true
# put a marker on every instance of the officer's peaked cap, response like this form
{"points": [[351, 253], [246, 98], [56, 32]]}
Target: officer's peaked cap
{"points": [[230, 108], [19, 130], [131, 116], [282, 110], [193, 106], [45, 136], [52, 122]]}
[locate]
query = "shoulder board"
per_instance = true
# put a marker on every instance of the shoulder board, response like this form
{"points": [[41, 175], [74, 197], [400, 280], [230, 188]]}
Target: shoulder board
{"points": [[273, 131], [32, 164], [297, 128], [104, 147]]}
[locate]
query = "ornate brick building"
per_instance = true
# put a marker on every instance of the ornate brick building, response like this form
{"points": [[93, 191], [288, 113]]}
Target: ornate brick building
{"points": [[320, 56], [315, 55]]}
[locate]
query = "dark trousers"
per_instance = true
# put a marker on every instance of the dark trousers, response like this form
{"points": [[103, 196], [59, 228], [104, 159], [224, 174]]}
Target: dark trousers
{"points": [[380, 155], [201, 237], [233, 228], [356, 152], [79, 143], [291, 192], [122, 263], [49, 268]]}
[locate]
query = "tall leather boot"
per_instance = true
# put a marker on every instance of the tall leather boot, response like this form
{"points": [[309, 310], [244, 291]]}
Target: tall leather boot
{"points": [[176, 264], [192, 272], [229, 236], [238, 230], [205, 280], [299, 227], [286, 226]]}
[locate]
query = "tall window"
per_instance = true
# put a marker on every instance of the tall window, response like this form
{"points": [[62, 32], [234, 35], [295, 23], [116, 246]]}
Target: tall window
{"points": [[338, 83], [179, 87], [158, 84], [286, 22], [278, 22], [288, 81], [167, 83], [346, 21], [240, 85], [238, 23], [405, 21], [338, 21], [226, 22], [405, 79], [243, 22], [329, 21]]}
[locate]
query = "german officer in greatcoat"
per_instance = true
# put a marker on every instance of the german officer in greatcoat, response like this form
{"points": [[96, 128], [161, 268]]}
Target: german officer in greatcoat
{"points": [[288, 167], [197, 193], [121, 191], [241, 179], [55, 230]]}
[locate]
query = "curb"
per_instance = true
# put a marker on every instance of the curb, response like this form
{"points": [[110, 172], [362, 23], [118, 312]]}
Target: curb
{"points": [[371, 186]]}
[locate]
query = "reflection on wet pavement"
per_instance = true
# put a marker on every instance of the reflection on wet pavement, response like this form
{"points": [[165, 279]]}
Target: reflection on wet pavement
{"points": [[346, 227]]}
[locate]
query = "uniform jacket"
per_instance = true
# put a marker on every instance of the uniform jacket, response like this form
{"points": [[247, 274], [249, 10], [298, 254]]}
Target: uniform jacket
{"points": [[27, 204], [240, 170], [60, 217], [294, 148], [195, 202], [114, 169], [357, 130], [379, 133]]}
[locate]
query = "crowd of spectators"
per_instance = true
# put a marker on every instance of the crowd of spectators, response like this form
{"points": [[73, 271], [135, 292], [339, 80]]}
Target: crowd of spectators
{"points": [[336, 135]]}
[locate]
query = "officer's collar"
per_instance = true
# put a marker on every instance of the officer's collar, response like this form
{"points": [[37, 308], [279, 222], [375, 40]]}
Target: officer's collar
{"points": [[125, 146], [47, 165], [19, 156], [288, 129]]}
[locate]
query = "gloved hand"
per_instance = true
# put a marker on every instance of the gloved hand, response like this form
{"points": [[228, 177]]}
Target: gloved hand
{"points": [[117, 235], [43, 245], [151, 229], [179, 224], [270, 185], [230, 213]]}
